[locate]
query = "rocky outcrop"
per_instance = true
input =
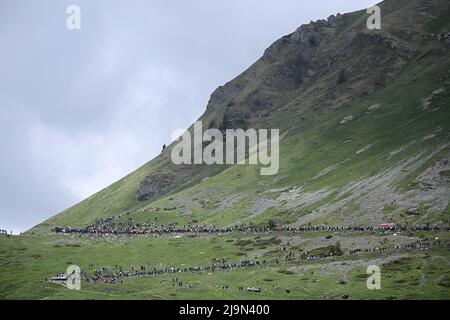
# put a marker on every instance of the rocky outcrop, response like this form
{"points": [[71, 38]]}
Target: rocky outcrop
{"points": [[334, 21], [154, 185], [346, 119]]}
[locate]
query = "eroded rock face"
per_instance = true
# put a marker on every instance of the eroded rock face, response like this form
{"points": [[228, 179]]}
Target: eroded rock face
{"points": [[306, 35], [334, 21], [154, 185]]}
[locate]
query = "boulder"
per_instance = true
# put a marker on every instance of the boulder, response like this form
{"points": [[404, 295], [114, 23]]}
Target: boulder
{"points": [[346, 119], [374, 106]]}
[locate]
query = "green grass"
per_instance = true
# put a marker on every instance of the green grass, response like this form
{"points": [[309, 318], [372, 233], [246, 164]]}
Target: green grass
{"points": [[26, 261], [445, 173]]}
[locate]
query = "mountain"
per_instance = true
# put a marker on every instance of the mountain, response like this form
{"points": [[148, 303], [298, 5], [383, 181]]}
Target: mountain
{"points": [[364, 180], [392, 156]]}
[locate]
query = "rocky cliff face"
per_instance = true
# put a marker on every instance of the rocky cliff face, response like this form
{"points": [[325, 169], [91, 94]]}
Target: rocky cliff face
{"points": [[338, 56]]}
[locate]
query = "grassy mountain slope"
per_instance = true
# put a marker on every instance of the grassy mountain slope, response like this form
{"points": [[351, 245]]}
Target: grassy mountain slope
{"points": [[305, 84]]}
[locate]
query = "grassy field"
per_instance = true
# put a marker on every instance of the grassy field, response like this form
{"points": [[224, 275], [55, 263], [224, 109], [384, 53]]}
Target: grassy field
{"points": [[26, 261]]}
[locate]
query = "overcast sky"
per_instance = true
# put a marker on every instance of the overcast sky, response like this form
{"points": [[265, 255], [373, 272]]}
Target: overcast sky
{"points": [[80, 109]]}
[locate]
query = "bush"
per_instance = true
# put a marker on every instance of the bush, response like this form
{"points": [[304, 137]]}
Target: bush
{"points": [[271, 223]]}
